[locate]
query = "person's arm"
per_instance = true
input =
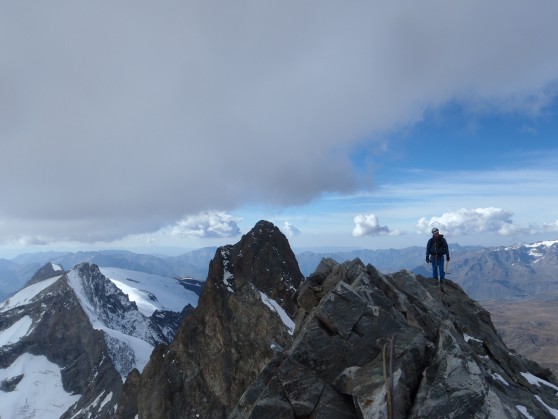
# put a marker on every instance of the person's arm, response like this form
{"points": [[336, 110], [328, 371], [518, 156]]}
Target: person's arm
{"points": [[427, 249]]}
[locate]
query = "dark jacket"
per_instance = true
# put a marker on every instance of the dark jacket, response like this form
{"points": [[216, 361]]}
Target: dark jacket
{"points": [[437, 246]]}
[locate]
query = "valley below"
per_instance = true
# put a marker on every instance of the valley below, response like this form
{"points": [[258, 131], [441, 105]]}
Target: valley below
{"points": [[529, 326]]}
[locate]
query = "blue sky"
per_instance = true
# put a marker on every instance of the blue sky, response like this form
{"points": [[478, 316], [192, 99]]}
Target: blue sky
{"points": [[470, 175], [177, 126]]}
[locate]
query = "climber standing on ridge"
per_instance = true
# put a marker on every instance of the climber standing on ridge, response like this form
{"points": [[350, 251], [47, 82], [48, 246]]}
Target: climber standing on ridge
{"points": [[436, 248]]}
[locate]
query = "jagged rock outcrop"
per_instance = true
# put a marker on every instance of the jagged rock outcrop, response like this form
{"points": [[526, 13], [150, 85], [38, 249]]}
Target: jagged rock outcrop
{"points": [[242, 320], [128, 405], [369, 345]]}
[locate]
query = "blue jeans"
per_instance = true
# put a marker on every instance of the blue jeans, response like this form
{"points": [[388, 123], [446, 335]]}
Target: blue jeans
{"points": [[438, 265]]}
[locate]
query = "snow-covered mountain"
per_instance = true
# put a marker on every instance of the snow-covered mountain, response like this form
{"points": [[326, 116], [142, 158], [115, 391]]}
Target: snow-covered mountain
{"points": [[151, 292], [520, 271], [67, 342], [16, 272]]}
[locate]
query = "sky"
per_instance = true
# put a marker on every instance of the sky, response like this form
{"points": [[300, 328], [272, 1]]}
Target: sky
{"points": [[178, 125]]}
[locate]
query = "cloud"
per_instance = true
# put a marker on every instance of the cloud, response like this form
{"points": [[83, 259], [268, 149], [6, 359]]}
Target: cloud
{"points": [[207, 225], [121, 118], [368, 225], [549, 227], [290, 229], [469, 221]]}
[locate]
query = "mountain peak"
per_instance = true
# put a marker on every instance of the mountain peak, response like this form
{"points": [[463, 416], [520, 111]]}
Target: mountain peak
{"points": [[49, 270], [264, 228], [243, 317]]}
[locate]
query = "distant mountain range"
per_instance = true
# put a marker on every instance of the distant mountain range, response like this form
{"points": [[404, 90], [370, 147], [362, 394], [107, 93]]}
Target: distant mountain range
{"points": [[509, 272], [506, 272], [385, 260]]}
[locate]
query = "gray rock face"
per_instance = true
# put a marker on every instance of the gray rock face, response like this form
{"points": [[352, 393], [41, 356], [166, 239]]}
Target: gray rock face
{"points": [[369, 345], [49, 270], [241, 322]]}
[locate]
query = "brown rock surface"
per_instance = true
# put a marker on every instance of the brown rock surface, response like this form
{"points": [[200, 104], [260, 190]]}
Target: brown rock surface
{"points": [[232, 334]]}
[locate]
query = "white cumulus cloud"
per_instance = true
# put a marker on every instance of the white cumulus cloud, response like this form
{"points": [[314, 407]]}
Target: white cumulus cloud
{"points": [[290, 230], [467, 221], [549, 227], [368, 225], [207, 225]]}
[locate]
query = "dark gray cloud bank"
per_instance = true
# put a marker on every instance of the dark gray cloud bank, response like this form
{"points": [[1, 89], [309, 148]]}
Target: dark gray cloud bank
{"points": [[124, 117]]}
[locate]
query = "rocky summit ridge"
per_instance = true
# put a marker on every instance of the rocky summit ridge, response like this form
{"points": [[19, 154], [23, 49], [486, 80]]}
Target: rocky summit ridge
{"points": [[346, 342], [369, 345]]}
